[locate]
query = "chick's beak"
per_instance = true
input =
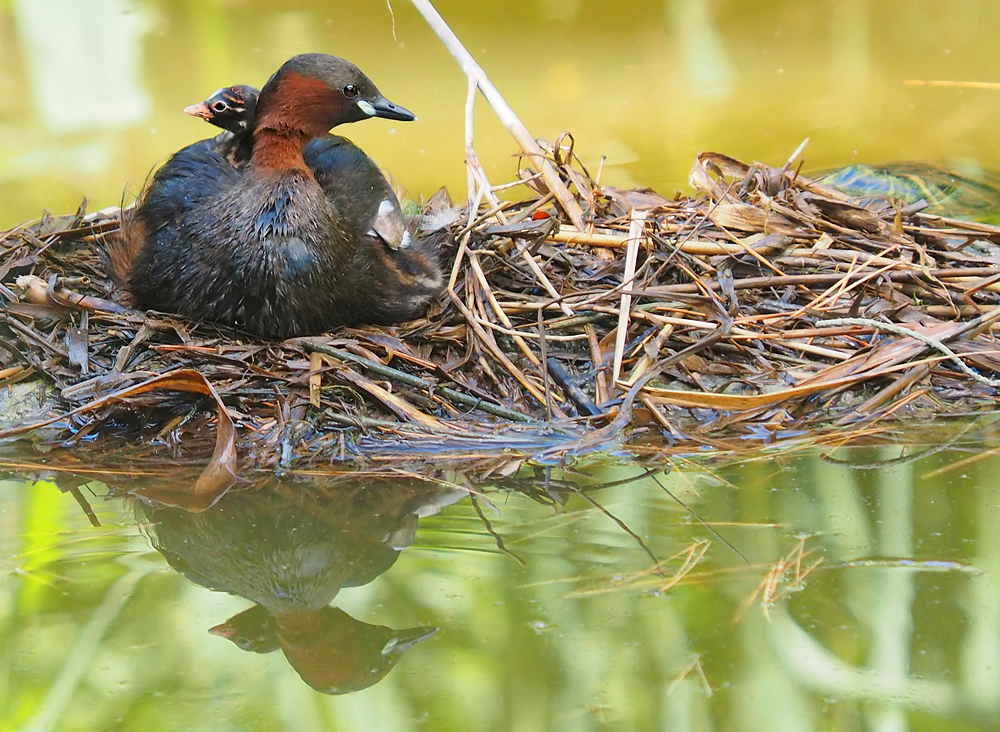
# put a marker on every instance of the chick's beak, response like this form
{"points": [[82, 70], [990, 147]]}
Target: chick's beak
{"points": [[198, 110]]}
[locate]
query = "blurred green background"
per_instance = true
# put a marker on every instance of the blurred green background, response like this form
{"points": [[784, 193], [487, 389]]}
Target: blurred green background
{"points": [[91, 91]]}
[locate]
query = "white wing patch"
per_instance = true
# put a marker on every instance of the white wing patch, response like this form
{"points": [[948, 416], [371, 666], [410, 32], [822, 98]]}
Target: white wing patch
{"points": [[389, 224]]}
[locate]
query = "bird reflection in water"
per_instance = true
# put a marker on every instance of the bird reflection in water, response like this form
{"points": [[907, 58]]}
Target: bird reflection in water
{"points": [[290, 547]]}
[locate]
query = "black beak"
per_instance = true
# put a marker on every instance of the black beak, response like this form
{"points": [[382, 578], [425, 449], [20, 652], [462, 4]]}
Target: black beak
{"points": [[382, 107]]}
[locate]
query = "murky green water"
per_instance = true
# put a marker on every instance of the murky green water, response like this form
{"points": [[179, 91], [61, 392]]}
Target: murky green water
{"points": [[91, 91], [563, 604], [834, 589]]}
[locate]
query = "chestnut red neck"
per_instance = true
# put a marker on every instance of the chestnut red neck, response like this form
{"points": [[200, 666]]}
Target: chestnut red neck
{"points": [[291, 111], [301, 103], [279, 150]]}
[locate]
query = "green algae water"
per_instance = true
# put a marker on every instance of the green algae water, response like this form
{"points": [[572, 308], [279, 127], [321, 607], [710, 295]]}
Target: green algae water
{"points": [[93, 90], [795, 589]]}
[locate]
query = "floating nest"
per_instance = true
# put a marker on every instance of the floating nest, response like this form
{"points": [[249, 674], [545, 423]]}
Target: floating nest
{"points": [[763, 306]]}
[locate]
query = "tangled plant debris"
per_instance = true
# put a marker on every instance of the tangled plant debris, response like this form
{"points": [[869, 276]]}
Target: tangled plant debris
{"points": [[765, 305], [577, 317]]}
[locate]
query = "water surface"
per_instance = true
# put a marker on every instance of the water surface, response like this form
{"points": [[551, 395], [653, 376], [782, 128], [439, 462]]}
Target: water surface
{"points": [[92, 91], [796, 589]]}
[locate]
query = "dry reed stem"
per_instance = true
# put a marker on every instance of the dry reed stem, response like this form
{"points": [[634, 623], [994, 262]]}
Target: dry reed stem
{"points": [[495, 306], [507, 116], [636, 227], [546, 283], [775, 584], [959, 84]]}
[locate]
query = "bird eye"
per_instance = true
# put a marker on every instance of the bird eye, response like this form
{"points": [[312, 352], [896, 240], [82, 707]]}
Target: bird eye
{"points": [[351, 91], [220, 107]]}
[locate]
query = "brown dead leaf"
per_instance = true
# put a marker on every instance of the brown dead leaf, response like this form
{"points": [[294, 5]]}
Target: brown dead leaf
{"points": [[744, 217], [399, 406], [219, 475]]}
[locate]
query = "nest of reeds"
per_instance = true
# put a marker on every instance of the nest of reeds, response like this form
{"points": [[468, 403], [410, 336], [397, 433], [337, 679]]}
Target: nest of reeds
{"points": [[764, 304]]}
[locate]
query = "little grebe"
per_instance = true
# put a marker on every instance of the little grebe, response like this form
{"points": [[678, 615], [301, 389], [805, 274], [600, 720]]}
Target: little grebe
{"points": [[233, 109], [268, 247], [341, 167]]}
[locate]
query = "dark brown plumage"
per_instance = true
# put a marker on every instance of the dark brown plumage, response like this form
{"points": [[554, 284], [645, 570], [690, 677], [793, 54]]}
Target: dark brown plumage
{"points": [[343, 169], [281, 247]]}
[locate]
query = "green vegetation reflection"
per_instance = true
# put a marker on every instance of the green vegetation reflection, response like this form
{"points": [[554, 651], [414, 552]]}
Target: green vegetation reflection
{"points": [[858, 591]]}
